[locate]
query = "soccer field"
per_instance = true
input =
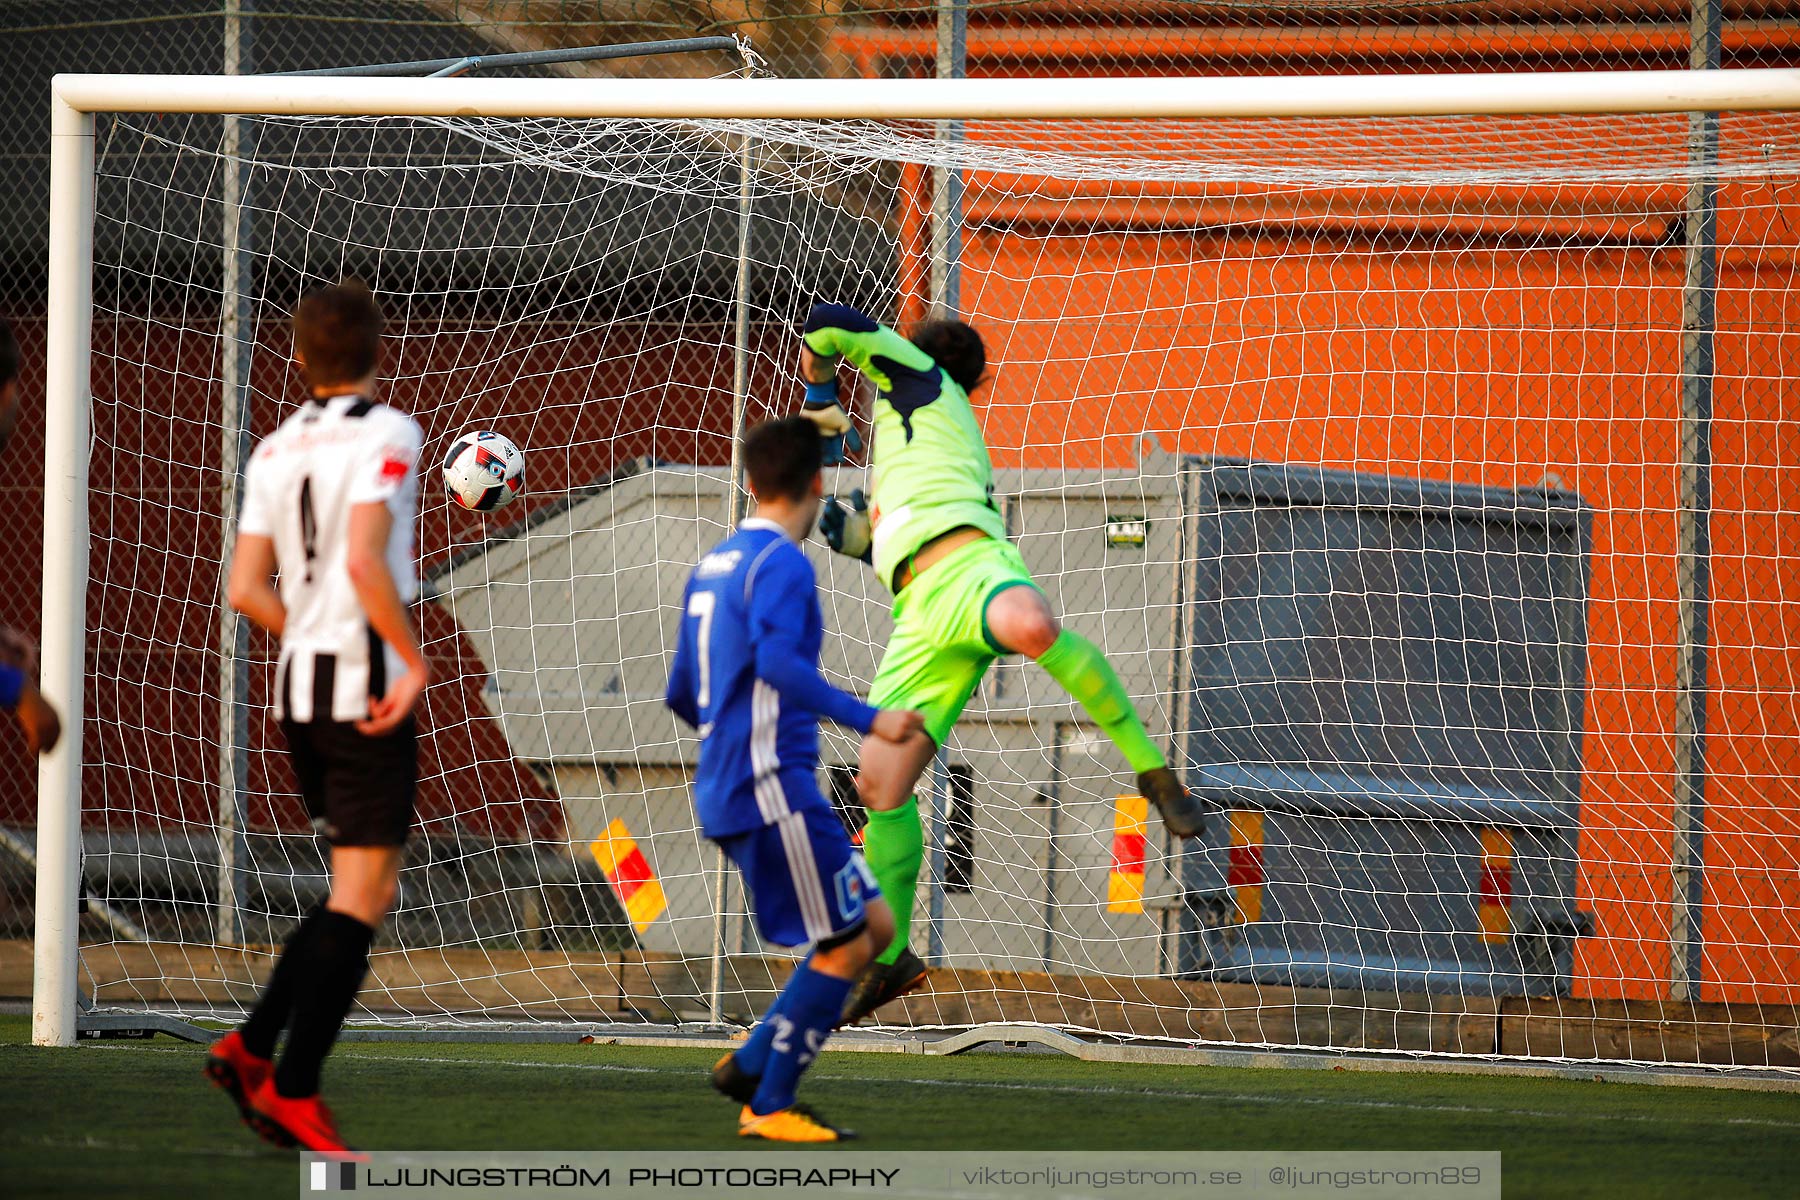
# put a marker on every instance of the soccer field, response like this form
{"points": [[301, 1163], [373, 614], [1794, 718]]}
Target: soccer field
{"points": [[136, 1119]]}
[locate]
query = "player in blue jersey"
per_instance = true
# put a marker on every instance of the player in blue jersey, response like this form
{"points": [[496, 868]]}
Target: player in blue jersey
{"points": [[746, 675]]}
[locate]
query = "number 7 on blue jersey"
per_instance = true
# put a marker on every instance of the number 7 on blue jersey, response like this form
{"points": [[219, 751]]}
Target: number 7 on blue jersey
{"points": [[700, 605]]}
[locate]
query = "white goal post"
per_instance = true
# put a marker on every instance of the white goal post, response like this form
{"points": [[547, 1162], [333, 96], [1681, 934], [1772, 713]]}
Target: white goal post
{"points": [[76, 99]]}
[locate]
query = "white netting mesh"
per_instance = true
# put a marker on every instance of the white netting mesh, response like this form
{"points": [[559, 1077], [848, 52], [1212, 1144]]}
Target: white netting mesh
{"points": [[1355, 444]]}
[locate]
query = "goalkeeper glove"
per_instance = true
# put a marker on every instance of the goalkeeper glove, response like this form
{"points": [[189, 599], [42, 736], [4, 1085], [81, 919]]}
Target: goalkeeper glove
{"points": [[834, 424], [847, 529]]}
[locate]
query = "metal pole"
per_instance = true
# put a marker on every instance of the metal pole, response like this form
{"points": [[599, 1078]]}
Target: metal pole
{"points": [[71, 269], [934, 895], [734, 492], [946, 301], [1687, 942], [456, 68], [442, 68], [1181, 709], [237, 336], [740, 345], [1053, 828], [947, 180], [715, 986]]}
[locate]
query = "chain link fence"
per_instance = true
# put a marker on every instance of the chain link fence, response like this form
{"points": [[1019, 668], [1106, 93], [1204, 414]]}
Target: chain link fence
{"points": [[795, 38]]}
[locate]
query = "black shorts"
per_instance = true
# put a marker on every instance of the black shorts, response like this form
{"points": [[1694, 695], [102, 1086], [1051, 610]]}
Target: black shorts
{"points": [[359, 790]]}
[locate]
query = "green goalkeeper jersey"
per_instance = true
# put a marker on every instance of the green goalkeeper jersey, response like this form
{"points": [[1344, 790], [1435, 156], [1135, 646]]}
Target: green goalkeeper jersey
{"points": [[930, 468]]}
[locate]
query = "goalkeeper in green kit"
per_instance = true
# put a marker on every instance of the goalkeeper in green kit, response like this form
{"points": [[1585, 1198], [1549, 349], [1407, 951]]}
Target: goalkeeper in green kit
{"points": [[962, 595]]}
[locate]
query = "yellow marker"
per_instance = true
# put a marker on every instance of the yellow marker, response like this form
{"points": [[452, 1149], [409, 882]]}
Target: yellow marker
{"points": [[1493, 891], [1125, 882], [629, 872], [1244, 866]]}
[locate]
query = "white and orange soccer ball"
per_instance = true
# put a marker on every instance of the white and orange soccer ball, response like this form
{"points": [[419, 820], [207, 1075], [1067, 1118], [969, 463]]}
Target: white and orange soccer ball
{"points": [[484, 471]]}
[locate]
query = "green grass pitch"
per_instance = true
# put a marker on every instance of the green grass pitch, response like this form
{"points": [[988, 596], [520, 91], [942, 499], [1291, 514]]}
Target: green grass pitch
{"points": [[135, 1118]]}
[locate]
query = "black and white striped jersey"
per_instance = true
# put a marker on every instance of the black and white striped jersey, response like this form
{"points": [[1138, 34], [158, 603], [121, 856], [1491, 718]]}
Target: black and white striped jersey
{"points": [[299, 488]]}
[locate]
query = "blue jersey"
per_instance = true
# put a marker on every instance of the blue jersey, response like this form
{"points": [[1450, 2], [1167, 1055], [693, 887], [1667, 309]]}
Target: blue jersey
{"points": [[746, 675]]}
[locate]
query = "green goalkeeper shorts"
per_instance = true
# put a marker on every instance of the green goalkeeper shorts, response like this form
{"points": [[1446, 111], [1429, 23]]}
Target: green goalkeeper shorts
{"points": [[941, 645]]}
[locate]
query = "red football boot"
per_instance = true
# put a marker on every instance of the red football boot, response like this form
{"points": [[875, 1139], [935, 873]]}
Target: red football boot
{"points": [[305, 1122], [237, 1072]]}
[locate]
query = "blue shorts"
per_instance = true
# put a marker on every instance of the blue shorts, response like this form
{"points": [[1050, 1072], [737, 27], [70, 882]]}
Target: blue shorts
{"points": [[807, 883]]}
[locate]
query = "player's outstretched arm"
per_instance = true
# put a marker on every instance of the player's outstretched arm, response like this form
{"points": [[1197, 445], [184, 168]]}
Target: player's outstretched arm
{"points": [[780, 664], [800, 684], [366, 563], [836, 331], [251, 586], [783, 599], [898, 724], [824, 408]]}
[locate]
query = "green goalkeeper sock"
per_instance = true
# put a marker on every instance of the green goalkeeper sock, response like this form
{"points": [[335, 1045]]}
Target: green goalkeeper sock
{"points": [[894, 847], [1078, 665]]}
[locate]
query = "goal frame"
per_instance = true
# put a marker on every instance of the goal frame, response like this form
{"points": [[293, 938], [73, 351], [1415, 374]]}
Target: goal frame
{"points": [[75, 99]]}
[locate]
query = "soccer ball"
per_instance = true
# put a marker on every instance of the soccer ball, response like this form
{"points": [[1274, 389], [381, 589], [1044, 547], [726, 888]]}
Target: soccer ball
{"points": [[484, 471]]}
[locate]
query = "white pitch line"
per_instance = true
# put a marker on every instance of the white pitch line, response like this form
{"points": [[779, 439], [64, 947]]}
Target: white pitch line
{"points": [[94, 1143], [1072, 1090]]}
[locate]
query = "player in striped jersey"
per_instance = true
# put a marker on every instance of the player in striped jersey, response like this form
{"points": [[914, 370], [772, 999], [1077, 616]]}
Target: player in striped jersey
{"points": [[746, 675], [329, 502]]}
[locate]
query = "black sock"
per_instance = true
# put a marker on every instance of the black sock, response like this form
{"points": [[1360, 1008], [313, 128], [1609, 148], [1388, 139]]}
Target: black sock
{"points": [[276, 1004], [335, 961]]}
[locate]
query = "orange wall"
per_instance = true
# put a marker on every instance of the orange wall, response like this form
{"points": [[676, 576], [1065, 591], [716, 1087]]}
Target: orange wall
{"points": [[1403, 336], [1496, 365]]}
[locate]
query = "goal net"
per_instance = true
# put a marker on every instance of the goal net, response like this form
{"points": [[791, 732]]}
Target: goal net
{"points": [[1431, 483]]}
